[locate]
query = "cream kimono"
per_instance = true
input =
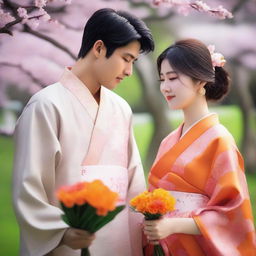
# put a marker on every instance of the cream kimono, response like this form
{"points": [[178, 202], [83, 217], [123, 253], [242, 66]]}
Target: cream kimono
{"points": [[63, 137]]}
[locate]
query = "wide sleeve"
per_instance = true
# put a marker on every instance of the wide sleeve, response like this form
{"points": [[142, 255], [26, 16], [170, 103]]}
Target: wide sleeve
{"points": [[136, 186], [37, 153], [226, 223]]}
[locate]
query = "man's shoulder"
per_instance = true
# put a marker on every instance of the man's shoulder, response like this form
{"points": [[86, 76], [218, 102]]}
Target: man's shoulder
{"points": [[48, 94], [44, 100], [118, 100]]}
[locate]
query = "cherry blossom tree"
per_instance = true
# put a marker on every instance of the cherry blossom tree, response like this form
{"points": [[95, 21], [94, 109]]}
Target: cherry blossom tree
{"points": [[39, 37]]}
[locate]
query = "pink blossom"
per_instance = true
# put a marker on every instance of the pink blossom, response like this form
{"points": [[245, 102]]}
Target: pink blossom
{"points": [[40, 3], [68, 1], [22, 12], [184, 10], [179, 2], [185, 6], [202, 6], [33, 23], [5, 17], [223, 13], [45, 16], [156, 2]]}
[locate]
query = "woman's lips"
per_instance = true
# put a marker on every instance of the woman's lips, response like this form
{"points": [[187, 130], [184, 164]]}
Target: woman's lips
{"points": [[169, 97]]}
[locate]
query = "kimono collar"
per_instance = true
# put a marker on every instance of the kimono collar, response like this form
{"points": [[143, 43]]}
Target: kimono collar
{"points": [[165, 161], [81, 92], [196, 122]]}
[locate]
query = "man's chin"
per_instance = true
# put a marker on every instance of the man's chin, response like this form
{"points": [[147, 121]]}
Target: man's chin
{"points": [[111, 86]]}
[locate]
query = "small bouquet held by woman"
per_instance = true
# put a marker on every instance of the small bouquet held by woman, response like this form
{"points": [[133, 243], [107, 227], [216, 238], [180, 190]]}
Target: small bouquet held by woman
{"points": [[88, 206], [153, 205]]}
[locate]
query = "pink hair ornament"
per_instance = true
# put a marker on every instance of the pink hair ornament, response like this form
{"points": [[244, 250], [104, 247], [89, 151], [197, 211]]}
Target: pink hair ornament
{"points": [[218, 59]]}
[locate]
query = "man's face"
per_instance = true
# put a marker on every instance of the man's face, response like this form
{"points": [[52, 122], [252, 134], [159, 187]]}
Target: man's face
{"points": [[111, 71]]}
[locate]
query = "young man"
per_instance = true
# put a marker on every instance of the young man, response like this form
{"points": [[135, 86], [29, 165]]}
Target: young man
{"points": [[75, 130]]}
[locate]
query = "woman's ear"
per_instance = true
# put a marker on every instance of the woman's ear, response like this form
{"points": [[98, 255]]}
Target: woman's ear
{"points": [[200, 87], [99, 48]]}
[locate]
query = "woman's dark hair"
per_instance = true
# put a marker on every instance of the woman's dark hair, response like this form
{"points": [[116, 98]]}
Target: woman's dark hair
{"points": [[115, 29], [192, 58]]}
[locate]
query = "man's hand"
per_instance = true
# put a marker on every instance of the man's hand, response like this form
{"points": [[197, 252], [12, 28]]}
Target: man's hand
{"points": [[77, 238]]}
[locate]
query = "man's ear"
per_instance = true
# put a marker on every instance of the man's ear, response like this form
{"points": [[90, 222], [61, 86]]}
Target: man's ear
{"points": [[99, 49]]}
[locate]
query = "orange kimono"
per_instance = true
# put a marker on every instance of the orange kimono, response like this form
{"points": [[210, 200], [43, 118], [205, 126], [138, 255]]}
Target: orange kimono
{"points": [[205, 172]]}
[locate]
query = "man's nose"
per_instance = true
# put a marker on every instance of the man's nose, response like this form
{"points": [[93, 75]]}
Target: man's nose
{"points": [[128, 70]]}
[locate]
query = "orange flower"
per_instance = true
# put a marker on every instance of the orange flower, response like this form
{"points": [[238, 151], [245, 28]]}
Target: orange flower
{"points": [[70, 195], [94, 193], [159, 201], [101, 197]]}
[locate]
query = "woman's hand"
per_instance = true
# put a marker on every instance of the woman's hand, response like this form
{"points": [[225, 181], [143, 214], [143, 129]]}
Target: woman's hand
{"points": [[77, 238], [158, 229]]}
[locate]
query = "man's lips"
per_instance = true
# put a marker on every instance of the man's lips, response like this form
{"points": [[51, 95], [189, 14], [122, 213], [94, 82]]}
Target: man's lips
{"points": [[119, 78]]}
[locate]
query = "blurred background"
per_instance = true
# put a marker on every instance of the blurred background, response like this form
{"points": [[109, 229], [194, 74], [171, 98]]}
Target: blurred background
{"points": [[39, 38]]}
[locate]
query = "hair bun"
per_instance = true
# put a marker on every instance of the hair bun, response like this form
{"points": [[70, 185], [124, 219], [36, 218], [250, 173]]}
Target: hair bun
{"points": [[218, 89]]}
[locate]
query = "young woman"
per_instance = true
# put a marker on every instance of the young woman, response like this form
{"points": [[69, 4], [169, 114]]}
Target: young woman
{"points": [[199, 162]]}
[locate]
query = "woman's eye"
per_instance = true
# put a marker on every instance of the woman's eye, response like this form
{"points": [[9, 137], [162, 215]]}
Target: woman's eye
{"points": [[172, 78]]}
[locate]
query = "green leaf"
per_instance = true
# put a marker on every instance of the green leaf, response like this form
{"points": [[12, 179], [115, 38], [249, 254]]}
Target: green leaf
{"points": [[71, 215], [109, 217], [65, 219], [88, 217], [150, 216]]}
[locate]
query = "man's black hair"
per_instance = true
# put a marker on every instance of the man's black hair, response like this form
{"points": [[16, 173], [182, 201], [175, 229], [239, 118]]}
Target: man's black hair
{"points": [[115, 29]]}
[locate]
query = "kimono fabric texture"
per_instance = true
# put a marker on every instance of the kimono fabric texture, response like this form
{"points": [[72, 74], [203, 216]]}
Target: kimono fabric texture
{"points": [[63, 137], [205, 172]]}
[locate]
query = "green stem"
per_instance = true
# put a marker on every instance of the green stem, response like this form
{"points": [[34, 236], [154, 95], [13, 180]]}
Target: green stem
{"points": [[158, 250], [85, 252]]}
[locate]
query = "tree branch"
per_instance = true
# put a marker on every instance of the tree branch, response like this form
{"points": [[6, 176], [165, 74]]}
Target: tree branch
{"points": [[6, 30], [28, 73], [27, 29]]}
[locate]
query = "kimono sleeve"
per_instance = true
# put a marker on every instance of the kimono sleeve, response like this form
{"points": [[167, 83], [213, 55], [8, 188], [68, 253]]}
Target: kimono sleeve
{"points": [[37, 152], [136, 186], [226, 223]]}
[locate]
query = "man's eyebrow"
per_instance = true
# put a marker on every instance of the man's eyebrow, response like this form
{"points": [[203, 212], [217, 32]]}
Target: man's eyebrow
{"points": [[131, 56]]}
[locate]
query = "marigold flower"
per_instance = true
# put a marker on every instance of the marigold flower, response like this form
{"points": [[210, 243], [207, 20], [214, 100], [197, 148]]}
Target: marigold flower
{"points": [[159, 201], [94, 193]]}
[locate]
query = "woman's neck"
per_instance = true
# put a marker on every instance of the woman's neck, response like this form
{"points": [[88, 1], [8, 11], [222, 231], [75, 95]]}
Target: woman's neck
{"points": [[194, 113]]}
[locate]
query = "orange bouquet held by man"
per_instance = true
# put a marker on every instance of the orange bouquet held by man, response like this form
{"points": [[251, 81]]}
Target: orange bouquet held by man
{"points": [[88, 206]]}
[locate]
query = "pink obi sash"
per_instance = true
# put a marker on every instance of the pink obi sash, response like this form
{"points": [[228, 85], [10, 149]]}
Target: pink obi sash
{"points": [[113, 176], [186, 203]]}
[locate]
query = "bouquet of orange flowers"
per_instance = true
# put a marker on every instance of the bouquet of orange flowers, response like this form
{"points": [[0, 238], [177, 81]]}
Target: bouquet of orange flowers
{"points": [[153, 205], [88, 206]]}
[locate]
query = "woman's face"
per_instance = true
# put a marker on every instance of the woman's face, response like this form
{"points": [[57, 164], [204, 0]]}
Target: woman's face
{"points": [[179, 90]]}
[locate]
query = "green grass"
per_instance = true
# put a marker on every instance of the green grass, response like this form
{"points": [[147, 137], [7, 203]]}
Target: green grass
{"points": [[9, 230], [229, 116], [251, 180]]}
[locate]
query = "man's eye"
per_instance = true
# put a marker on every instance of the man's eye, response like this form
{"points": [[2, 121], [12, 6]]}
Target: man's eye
{"points": [[126, 60]]}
